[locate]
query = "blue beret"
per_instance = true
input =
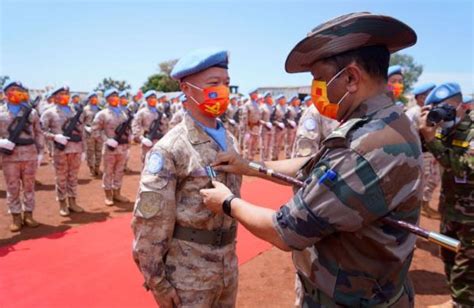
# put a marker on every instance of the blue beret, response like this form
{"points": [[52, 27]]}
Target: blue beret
{"points": [[161, 95], [281, 96], [423, 88], [292, 98], [198, 61], [443, 92], [149, 93], [110, 91], [123, 93], [466, 99], [267, 94], [394, 69], [182, 98], [11, 83], [59, 89], [307, 98], [91, 94], [253, 91]]}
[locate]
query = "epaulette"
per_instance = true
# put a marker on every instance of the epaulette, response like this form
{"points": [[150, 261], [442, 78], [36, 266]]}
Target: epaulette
{"points": [[338, 137]]}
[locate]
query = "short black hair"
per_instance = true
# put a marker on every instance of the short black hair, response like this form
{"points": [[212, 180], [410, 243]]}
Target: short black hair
{"points": [[373, 59]]}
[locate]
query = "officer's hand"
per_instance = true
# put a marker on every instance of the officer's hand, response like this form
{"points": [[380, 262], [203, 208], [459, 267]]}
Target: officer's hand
{"points": [[427, 129], [61, 139], [7, 144], [231, 162], [214, 197], [168, 300]]}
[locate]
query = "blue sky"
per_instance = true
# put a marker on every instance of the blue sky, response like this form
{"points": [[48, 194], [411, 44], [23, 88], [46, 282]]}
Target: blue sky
{"points": [[80, 42]]}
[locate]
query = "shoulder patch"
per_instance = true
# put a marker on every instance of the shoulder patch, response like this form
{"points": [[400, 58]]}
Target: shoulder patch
{"points": [[310, 124], [155, 163], [344, 129]]}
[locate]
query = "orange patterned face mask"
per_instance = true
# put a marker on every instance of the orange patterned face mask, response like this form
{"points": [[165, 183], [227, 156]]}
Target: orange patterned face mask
{"points": [[62, 99], [123, 101], [216, 100], [319, 96], [16, 97], [113, 101], [396, 88], [152, 102], [94, 100]]}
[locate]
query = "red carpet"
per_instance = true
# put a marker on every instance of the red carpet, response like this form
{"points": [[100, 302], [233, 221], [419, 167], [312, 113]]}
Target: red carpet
{"points": [[92, 266]]}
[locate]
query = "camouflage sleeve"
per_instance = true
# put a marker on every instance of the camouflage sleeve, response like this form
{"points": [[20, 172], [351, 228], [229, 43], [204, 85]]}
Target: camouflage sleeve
{"points": [[137, 130], [45, 126], [38, 133], [154, 218], [449, 158], [342, 194], [98, 125]]}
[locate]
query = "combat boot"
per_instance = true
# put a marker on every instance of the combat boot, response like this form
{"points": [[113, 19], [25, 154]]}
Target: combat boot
{"points": [[16, 223], [63, 209], [92, 172], [29, 221], [109, 197], [73, 205], [427, 211], [118, 197], [97, 171]]}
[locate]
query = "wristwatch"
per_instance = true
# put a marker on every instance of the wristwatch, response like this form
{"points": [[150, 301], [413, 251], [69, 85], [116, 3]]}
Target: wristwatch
{"points": [[226, 205]]}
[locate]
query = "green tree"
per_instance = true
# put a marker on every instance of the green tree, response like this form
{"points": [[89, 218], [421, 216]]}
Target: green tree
{"points": [[108, 83], [162, 81], [411, 69], [3, 79]]}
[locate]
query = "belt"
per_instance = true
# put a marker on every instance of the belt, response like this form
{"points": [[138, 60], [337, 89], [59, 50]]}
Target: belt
{"points": [[254, 124], [22, 142], [217, 237], [321, 298]]}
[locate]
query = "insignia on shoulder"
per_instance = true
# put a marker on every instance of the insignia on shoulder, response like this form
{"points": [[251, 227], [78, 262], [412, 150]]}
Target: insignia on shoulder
{"points": [[155, 163], [310, 124]]}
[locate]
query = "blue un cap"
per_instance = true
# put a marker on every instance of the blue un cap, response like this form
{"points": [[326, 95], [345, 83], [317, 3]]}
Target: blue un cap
{"points": [[394, 69], [443, 92], [424, 88], [198, 61]]}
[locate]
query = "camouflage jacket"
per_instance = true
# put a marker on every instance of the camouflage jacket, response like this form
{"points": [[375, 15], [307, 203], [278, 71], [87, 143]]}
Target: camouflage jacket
{"points": [[31, 131], [312, 130], [168, 196], [250, 115], [104, 125], [454, 150], [372, 168], [142, 122], [52, 123]]}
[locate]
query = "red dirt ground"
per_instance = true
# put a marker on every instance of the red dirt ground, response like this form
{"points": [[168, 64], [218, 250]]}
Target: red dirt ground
{"points": [[265, 281]]}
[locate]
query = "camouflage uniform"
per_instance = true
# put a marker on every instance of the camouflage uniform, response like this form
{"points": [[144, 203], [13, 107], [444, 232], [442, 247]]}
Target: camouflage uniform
{"points": [[19, 168], [168, 202], [230, 120], [175, 107], [177, 118], [343, 255], [267, 132], [279, 122], [67, 162], [292, 119], [103, 127], [141, 126], [94, 145], [250, 127], [312, 130], [454, 150]]}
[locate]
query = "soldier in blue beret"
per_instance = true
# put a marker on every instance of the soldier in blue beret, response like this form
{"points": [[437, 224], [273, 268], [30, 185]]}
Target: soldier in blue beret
{"points": [[250, 116], [169, 214], [395, 81], [448, 133]]}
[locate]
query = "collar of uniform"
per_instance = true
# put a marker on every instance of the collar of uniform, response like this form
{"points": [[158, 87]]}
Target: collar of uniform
{"points": [[196, 134], [371, 106]]}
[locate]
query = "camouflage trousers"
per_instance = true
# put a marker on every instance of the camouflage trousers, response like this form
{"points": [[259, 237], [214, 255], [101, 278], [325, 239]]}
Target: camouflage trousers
{"points": [[459, 267], [431, 175], [94, 152], [278, 142], [67, 169], [114, 168], [223, 297], [250, 145], [20, 174], [266, 144], [290, 140]]}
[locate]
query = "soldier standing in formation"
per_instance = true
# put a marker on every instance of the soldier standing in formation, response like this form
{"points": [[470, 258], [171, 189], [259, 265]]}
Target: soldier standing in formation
{"points": [[93, 144]]}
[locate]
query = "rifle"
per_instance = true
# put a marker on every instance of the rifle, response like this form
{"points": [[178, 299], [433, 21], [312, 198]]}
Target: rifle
{"points": [[19, 125], [69, 127], [167, 110], [236, 117], [122, 129], [155, 132]]}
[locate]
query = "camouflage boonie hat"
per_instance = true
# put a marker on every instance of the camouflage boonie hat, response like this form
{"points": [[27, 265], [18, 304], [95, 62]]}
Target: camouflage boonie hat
{"points": [[346, 33]]}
